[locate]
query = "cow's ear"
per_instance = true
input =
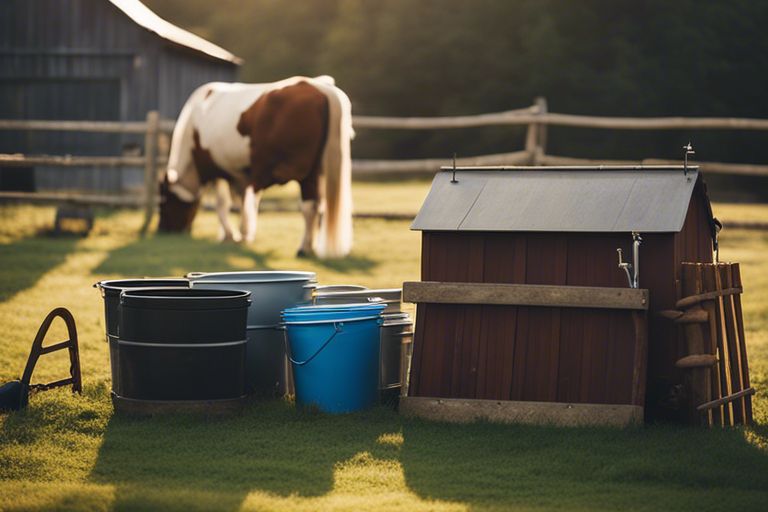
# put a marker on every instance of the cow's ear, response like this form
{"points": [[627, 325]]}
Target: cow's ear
{"points": [[244, 124]]}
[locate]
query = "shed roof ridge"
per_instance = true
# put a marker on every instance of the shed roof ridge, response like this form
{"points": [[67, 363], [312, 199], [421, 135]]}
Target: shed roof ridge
{"points": [[149, 20]]}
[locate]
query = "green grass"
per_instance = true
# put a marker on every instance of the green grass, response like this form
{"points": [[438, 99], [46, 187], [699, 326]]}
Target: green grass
{"points": [[70, 453]]}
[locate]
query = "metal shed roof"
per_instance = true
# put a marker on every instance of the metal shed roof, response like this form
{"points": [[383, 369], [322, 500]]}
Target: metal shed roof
{"points": [[577, 199], [144, 17]]}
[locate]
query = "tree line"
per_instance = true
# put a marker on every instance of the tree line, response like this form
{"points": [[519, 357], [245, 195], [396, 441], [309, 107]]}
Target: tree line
{"points": [[455, 57]]}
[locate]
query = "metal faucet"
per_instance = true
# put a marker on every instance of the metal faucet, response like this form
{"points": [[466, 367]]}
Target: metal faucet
{"points": [[632, 271]]}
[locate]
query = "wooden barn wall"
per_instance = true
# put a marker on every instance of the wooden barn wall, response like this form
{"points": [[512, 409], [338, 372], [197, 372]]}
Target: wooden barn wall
{"points": [[692, 244], [86, 60], [181, 72], [525, 353]]}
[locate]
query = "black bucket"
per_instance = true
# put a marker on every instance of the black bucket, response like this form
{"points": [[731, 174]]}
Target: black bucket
{"points": [[179, 344], [110, 292]]}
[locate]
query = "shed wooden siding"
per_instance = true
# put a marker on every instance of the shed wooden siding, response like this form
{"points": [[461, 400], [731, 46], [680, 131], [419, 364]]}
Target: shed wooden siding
{"points": [[578, 355], [665, 345]]}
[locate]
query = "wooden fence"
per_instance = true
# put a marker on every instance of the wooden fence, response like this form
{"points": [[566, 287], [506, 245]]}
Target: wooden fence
{"points": [[535, 117]]}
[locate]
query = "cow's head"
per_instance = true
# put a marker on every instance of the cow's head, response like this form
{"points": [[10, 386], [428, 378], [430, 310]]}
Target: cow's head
{"points": [[176, 215]]}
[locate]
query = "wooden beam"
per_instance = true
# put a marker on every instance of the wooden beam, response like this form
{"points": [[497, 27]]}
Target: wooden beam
{"points": [[19, 160], [432, 123], [432, 165], [165, 125], [696, 361], [725, 399], [458, 410], [73, 197], [525, 295], [689, 301]]}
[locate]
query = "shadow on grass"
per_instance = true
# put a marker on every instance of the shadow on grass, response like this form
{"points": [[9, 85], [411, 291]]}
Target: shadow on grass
{"points": [[23, 263], [168, 255], [650, 468], [195, 463]]}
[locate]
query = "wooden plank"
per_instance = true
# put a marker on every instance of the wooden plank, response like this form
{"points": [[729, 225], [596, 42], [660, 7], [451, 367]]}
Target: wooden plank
{"points": [[525, 295], [417, 358], [431, 165], [431, 123], [519, 368], [594, 358], [744, 393], [696, 379], [736, 279], [151, 181], [640, 360], [732, 344], [571, 351], [710, 340], [687, 302], [620, 371], [74, 126], [18, 160], [536, 413], [712, 278], [708, 167], [73, 197]]}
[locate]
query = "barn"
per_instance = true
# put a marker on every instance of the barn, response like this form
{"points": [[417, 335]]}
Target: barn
{"points": [[522, 299], [97, 60]]}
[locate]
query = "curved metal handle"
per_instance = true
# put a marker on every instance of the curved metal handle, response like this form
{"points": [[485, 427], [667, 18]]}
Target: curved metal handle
{"points": [[337, 328]]}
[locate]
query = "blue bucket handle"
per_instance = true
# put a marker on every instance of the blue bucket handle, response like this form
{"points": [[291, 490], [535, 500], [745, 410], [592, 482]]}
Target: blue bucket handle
{"points": [[337, 328]]}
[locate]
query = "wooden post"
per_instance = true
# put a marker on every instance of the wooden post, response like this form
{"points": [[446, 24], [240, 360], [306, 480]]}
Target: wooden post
{"points": [[536, 137], [150, 168], [736, 282], [732, 344], [541, 138], [697, 380], [720, 415]]}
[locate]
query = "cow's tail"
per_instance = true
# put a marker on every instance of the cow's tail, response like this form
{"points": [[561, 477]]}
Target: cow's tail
{"points": [[182, 141], [335, 238]]}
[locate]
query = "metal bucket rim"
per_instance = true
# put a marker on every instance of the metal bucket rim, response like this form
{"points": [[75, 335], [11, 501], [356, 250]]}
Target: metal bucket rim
{"points": [[248, 277]]}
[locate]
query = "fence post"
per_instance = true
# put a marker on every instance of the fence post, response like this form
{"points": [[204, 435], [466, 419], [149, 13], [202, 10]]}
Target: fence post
{"points": [[536, 137], [150, 168]]}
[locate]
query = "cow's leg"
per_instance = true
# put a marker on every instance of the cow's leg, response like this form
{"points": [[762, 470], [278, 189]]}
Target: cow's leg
{"points": [[223, 205], [250, 213], [311, 208]]}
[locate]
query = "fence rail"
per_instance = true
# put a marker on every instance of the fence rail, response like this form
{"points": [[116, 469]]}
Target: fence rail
{"points": [[536, 118]]}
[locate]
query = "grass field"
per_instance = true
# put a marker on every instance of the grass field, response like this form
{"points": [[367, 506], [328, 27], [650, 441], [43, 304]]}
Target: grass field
{"points": [[70, 453]]}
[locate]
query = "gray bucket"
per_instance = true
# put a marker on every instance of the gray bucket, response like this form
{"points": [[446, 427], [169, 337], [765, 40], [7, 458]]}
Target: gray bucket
{"points": [[271, 292], [396, 337], [389, 296]]}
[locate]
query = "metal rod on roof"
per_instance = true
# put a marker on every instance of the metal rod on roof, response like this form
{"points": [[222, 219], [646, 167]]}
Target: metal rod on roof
{"points": [[453, 179], [688, 151]]}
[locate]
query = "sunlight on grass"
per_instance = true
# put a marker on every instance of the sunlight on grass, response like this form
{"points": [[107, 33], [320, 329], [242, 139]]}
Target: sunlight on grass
{"points": [[70, 452], [363, 482]]}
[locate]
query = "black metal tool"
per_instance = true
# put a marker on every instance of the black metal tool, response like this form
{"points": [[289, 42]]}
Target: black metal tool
{"points": [[15, 394]]}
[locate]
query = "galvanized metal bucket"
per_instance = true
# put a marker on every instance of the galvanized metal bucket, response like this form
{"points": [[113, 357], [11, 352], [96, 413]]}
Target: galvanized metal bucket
{"points": [[271, 292]]}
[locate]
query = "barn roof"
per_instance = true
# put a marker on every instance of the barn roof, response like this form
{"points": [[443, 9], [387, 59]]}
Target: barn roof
{"points": [[578, 199], [144, 17]]}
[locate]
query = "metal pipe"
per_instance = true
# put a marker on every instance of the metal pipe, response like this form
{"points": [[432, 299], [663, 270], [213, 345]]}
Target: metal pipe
{"points": [[636, 241]]}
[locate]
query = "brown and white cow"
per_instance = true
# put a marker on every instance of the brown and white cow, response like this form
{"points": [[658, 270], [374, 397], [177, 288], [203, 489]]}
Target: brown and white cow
{"points": [[251, 136]]}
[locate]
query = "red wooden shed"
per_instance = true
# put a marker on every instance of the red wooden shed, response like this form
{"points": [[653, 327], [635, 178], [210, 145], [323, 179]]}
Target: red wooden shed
{"points": [[523, 312]]}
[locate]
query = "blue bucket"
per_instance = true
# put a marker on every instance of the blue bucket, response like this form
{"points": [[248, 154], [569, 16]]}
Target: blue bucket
{"points": [[335, 356]]}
